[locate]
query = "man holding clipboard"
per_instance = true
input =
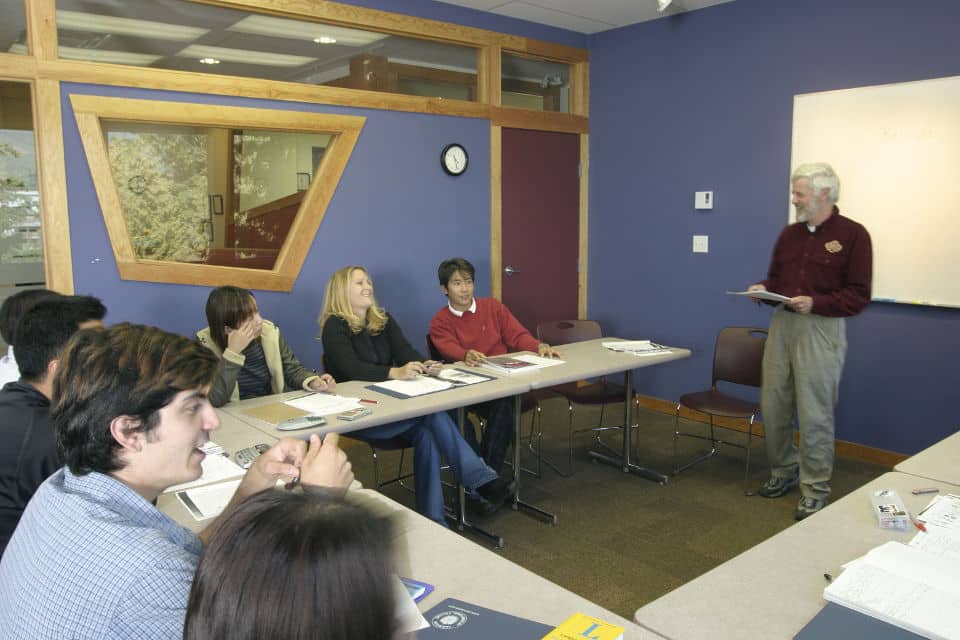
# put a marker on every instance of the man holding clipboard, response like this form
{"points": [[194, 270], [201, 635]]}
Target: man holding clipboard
{"points": [[824, 264]]}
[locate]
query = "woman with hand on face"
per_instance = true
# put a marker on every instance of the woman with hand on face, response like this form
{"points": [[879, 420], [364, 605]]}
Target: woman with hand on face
{"points": [[362, 342], [254, 358]]}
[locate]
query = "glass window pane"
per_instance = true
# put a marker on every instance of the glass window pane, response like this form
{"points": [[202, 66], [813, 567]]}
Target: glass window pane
{"points": [[208, 195], [21, 246], [187, 36], [13, 30], [530, 83]]}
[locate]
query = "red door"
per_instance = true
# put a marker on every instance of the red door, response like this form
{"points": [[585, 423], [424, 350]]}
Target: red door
{"points": [[541, 219]]}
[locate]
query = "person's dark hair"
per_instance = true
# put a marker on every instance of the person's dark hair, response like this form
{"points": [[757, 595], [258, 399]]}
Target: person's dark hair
{"points": [[18, 304], [228, 307], [296, 566], [449, 267], [126, 370], [88, 307], [45, 329]]}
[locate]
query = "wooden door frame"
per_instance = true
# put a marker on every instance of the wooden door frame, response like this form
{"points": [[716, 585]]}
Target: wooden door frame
{"points": [[496, 218]]}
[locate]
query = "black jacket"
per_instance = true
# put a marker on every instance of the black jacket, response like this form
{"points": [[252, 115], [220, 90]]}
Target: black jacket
{"points": [[361, 356]]}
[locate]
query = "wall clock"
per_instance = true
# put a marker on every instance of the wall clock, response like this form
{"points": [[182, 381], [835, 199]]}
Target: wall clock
{"points": [[454, 159]]}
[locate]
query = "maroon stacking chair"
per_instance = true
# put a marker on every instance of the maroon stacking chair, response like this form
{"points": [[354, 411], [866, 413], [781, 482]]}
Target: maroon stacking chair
{"points": [[737, 359]]}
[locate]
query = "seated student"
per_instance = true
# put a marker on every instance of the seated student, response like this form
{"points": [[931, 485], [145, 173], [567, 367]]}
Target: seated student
{"points": [[11, 311], [92, 556], [469, 329], [255, 360], [361, 341], [261, 577], [30, 455]]}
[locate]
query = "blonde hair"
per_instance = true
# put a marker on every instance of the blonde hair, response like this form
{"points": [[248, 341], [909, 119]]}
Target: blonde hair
{"points": [[336, 302]]}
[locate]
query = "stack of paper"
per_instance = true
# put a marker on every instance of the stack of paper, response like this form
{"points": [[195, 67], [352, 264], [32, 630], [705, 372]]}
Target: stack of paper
{"points": [[216, 467], [518, 363], [324, 404], [637, 347]]}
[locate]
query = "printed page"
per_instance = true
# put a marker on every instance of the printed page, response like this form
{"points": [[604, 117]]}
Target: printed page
{"points": [[324, 404], [460, 377], [215, 468], [761, 295], [421, 385], [537, 361], [636, 347], [207, 502]]}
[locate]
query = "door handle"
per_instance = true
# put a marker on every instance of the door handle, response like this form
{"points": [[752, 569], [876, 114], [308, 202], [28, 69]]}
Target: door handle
{"points": [[510, 270]]}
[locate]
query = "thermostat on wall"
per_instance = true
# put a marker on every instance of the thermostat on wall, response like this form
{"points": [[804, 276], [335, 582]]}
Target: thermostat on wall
{"points": [[703, 200]]}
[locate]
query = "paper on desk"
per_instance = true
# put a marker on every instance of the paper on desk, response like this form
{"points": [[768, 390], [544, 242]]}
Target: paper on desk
{"points": [[421, 385], [761, 295], [207, 502], [408, 616], [460, 377], [537, 361], [636, 347], [324, 404], [216, 467], [941, 519], [904, 586]]}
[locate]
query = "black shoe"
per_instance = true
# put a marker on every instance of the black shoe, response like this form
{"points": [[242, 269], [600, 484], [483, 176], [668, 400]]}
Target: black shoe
{"points": [[478, 507], [498, 490], [777, 486]]}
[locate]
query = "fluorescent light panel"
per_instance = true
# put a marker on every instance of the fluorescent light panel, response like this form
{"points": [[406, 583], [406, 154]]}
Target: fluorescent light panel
{"points": [[244, 57], [98, 55], [301, 30], [93, 23]]}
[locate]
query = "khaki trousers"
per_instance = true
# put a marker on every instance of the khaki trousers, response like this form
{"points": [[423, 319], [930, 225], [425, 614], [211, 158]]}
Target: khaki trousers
{"points": [[802, 364]]}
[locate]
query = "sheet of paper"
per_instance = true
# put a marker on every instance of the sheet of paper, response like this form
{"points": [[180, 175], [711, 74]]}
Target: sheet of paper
{"points": [[324, 404], [460, 377], [207, 502], [942, 512], [421, 385], [636, 347], [215, 468], [537, 361], [409, 618], [761, 295]]}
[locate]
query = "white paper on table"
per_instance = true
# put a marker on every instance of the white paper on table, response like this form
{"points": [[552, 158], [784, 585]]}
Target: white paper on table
{"points": [[460, 377], [761, 295], [904, 586], [943, 512], [636, 347], [208, 502], [537, 361], [421, 385], [215, 468], [408, 618], [324, 404]]}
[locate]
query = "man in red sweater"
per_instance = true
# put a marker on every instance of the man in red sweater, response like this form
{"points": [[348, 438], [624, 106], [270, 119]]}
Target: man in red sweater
{"points": [[470, 329]]}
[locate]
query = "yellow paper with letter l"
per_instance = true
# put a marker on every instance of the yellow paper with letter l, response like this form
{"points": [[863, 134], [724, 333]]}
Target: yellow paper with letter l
{"points": [[580, 626]]}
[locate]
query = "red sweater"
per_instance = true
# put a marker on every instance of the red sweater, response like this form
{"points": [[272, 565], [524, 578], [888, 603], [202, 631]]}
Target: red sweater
{"points": [[492, 331]]}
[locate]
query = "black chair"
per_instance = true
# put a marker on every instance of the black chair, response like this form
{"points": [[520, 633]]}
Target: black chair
{"points": [[737, 359], [588, 393]]}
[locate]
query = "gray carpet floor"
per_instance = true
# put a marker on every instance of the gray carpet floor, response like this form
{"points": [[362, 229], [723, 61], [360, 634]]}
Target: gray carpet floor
{"points": [[622, 540]]}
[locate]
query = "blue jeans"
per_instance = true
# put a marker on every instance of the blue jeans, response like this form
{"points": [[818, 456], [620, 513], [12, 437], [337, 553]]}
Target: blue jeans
{"points": [[433, 437]]}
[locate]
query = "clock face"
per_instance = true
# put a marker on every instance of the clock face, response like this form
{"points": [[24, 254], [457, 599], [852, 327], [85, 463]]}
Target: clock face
{"points": [[454, 159]]}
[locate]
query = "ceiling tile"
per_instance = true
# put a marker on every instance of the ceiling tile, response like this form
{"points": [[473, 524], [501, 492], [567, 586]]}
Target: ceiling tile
{"points": [[551, 17]]}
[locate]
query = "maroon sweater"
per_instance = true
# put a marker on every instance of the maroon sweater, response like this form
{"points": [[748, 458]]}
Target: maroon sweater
{"points": [[833, 265], [492, 331]]}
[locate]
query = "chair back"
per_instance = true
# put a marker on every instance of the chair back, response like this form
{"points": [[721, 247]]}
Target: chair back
{"points": [[567, 331], [738, 356], [432, 350]]}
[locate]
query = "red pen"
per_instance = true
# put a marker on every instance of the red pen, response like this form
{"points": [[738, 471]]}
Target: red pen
{"points": [[368, 401], [919, 525]]}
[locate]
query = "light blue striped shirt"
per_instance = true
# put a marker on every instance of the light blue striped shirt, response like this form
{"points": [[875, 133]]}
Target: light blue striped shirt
{"points": [[91, 558]]}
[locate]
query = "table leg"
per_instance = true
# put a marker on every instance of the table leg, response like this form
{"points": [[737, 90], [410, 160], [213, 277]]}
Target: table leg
{"points": [[623, 461], [460, 520], [517, 472]]}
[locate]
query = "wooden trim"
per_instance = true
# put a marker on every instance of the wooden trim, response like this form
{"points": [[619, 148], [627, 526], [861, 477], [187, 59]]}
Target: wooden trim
{"points": [[488, 70], [346, 130], [515, 118], [42, 28], [496, 211], [17, 67], [580, 96], [844, 449], [553, 51], [583, 258], [52, 179]]}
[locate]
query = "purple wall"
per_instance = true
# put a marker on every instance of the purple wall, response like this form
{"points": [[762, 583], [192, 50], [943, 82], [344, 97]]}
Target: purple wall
{"points": [[395, 212], [703, 101]]}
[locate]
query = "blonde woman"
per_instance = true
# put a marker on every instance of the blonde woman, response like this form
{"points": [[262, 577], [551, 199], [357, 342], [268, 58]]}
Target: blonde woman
{"points": [[362, 342]]}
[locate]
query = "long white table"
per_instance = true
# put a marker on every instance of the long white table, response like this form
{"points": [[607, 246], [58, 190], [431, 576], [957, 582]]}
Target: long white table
{"points": [[455, 566], [773, 589], [937, 462]]}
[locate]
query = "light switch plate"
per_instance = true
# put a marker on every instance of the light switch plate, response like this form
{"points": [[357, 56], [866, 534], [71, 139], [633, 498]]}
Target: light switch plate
{"points": [[703, 200], [701, 244]]}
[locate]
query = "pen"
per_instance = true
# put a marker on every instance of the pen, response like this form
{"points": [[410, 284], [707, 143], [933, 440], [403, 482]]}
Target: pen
{"points": [[920, 492], [828, 577], [918, 524], [369, 401]]}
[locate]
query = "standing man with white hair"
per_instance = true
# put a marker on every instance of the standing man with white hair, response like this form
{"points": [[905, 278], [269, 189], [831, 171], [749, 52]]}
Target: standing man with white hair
{"points": [[824, 263]]}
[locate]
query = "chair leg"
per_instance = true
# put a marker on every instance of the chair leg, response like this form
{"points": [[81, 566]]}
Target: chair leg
{"points": [[538, 451], [746, 472], [676, 434], [376, 468]]}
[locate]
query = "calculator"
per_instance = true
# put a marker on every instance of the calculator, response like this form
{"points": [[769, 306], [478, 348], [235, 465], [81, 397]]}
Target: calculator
{"points": [[245, 457]]}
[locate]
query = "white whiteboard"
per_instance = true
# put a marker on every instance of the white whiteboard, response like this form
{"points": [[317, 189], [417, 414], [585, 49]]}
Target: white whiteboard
{"points": [[896, 150]]}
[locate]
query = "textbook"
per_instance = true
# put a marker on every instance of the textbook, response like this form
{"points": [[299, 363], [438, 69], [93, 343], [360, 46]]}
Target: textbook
{"points": [[580, 625], [457, 619]]}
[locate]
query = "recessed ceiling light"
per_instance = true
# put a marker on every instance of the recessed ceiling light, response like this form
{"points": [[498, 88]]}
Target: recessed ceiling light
{"points": [[325, 40], [93, 23], [244, 56], [209, 61], [303, 30]]}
